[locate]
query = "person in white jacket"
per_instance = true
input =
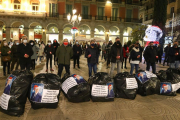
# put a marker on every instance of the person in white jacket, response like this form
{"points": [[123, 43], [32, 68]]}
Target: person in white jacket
{"points": [[41, 51]]}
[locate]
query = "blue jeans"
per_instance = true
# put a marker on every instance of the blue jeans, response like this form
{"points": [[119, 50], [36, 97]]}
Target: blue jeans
{"points": [[132, 68], [92, 66], [174, 65]]}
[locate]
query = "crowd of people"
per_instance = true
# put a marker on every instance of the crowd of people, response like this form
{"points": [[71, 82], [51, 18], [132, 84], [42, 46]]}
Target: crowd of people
{"points": [[26, 53]]}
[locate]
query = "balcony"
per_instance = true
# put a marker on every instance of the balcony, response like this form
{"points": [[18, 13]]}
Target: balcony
{"points": [[130, 2], [134, 20], [87, 17], [53, 15], [170, 1], [115, 18], [147, 19], [101, 17], [101, 0]]}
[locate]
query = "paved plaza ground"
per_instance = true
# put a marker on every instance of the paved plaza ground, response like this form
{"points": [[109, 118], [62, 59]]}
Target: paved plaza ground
{"points": [[153, 107]]}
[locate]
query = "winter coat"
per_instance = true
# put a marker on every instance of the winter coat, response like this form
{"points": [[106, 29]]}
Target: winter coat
{"points": [[113, 53], [172, 56], [22, 50], [94, 55], [98, 47], [14, 51], [103, 47], [35, 50], [134, 53], [125, 51], [64, 54], [5, 50], [150, 54], [41, 50], [159, 51], [55, 45], [77, 48], [49, 49]]}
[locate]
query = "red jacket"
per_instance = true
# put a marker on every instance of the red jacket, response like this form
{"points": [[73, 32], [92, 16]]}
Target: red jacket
{"points": [[125, 51]]}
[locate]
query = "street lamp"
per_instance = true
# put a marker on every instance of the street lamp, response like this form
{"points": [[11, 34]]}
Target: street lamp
{"points": [[72, 19]]}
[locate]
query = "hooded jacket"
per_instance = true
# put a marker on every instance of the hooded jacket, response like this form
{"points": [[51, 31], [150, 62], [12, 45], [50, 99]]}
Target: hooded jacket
{"points": [[150, 54], [113, 52], [134, 53]]}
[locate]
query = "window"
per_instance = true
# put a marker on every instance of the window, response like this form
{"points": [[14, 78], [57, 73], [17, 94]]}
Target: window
{"points": [[172, 10], [17, 5], [170, 24], [114, 14], [53, 10], [68, 9], [129, 1], [146, 17], [128, 15], [151, 16], [85, 12], [35, 7], [100, 13]]}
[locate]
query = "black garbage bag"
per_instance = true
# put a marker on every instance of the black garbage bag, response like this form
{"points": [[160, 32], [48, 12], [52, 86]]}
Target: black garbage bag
{"points": [[45, 91], [75, 88], [125, 86], [14, 97], [102, 87], [148, 83]]}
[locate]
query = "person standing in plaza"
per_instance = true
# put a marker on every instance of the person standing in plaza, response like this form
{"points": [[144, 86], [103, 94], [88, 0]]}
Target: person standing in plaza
{"points": [[34, 56], [166, 50], [77, 51], [150, 55], [116, 56], [64, 54], [174, 55], [159, 53], [49, 51], [15, 59], [108, 53], [134, 58], [92, 55], [6, 58], [103, 51], [98, 46], [55, 45], [41, 51], [125, 55], [25, 52]]}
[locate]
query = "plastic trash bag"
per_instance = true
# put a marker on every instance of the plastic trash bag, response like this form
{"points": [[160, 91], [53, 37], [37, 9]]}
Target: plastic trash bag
{"points": [[14, 97], [125, 86], [148, 83], [45, 91], [75, 88], [102, 87]]}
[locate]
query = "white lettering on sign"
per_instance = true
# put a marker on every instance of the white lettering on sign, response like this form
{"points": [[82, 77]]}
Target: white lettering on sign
{"points": [[49, 96], [68, 83], [131, 83], [99, 90], [4, 101]]}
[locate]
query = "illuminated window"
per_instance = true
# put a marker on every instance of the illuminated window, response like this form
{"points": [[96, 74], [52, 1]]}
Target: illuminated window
{"points": [[17, 5], [35, 7]]}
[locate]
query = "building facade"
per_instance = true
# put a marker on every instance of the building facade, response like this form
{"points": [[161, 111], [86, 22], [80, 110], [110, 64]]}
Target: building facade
{"points": [[47, 19]]}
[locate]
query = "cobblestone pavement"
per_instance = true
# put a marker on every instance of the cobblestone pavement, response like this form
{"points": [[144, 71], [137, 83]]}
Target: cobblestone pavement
{"points": [[153, 107]]}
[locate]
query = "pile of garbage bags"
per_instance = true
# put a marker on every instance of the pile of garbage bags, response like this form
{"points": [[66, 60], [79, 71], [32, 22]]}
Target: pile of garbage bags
{"points": [[148, 83], [45, 91], [125, 86], [75, 88], [102, 87], [14, 97]]}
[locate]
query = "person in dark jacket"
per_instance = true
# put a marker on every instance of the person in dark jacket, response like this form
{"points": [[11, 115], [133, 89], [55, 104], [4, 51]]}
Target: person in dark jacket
{"points": [[92, 54], [125, 55], [15, 59], [98, 46], [108, 53], [116, 56], [134, 58], [141, 50], [5, 53], [55, 45], [77, 51], [49, 50], [150, 55], [166, 50], [174, 55], [159, 53], [25, 52], [64, 54]]}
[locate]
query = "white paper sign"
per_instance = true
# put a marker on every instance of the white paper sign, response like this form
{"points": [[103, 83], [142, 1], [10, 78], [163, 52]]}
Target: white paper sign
{"points": [[150, 74], [131, 83], [49, 96], [99, 90], [4, 101], [175, 87], [69, 83]]}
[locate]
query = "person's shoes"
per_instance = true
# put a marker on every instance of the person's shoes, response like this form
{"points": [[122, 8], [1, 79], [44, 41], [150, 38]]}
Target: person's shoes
{"points": [[4, 74], [163, 64], [46, 70], [79, 67], [121, 67], [125, 67], [52, 69], [9, 73]]}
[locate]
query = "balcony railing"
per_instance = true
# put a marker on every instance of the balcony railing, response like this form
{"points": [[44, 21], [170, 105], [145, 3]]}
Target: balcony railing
{"points": [[100, 17], [54, 15], [87, 17], [133, 20], [178, 10], [131, 2], [170, 1], [115, 18], [101, 0]]}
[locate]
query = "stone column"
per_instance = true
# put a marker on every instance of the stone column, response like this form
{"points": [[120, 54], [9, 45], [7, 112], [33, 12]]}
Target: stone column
{"points": [[60, 35], [1, 34], [26, 32], [8, 33], [31, 34], [92, 33], [121, 36], [44, 37]]}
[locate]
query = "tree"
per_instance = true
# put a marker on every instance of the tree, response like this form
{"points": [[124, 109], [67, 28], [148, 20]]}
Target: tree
{"points": [[160, 17], [138, 33]]}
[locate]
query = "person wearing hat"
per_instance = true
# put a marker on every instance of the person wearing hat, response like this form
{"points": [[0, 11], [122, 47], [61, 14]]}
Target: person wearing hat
{"points": [[77, 51], [55, 45], [8, 86], [166, 50], [36, 96], [150, 55]]}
